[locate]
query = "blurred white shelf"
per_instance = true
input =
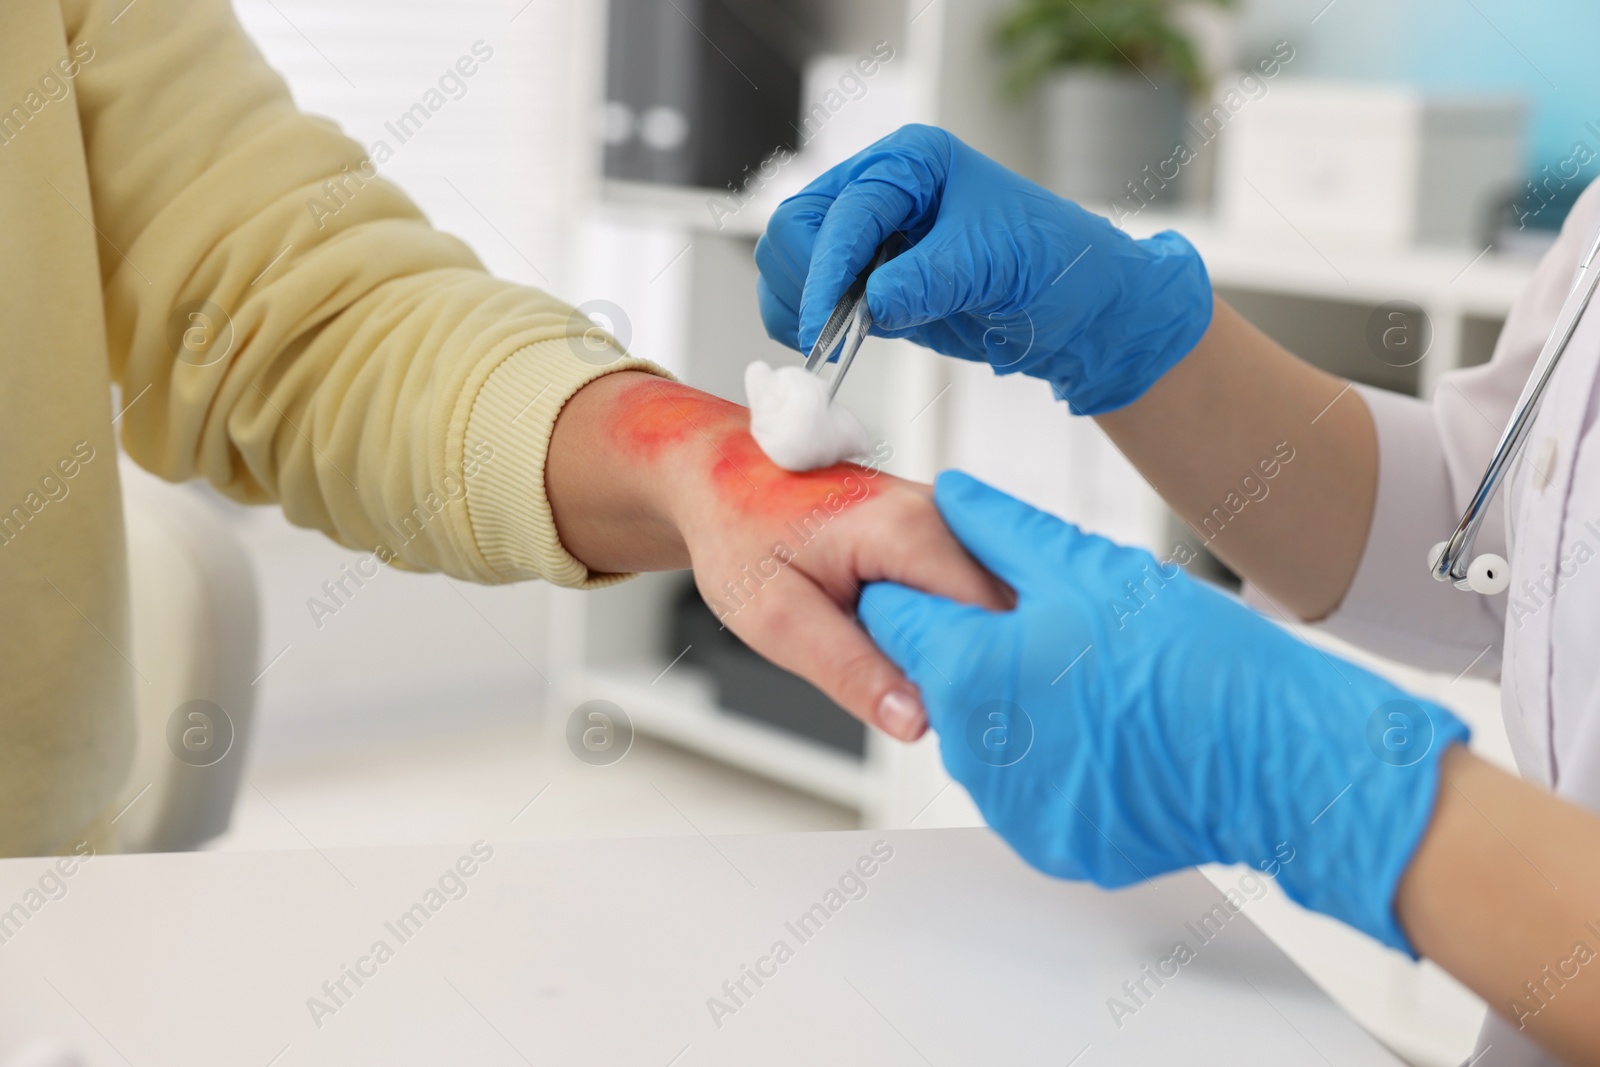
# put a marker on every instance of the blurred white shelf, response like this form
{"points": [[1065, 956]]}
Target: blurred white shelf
{"points": [[1468, 281], [1462, 281], [680, 706]]}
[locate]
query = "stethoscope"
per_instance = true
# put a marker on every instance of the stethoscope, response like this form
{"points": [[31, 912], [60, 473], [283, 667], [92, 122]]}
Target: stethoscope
{"points": [[1489, 574]]}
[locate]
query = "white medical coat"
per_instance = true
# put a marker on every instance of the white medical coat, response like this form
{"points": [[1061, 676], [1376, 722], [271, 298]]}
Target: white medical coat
{"points": [[1542, 636]]}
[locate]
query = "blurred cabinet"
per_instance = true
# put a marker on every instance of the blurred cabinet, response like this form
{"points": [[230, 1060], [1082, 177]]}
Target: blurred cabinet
{"points": [[1387, 165]]}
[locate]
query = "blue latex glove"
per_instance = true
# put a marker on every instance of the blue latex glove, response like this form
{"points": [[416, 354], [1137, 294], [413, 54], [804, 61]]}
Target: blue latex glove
{"points": [[1000, 271], [1126, 720]]}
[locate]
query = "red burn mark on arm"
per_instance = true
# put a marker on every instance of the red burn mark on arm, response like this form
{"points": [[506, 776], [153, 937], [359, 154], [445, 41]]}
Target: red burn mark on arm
{"points": [[748, 480], [654, 417]]}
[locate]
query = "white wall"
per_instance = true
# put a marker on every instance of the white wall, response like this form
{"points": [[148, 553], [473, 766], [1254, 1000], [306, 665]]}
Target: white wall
{"points": [[500, 167]]}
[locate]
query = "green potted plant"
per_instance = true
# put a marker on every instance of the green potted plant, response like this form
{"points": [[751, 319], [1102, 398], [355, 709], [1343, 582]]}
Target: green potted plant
{"points": [[1114, 78]]}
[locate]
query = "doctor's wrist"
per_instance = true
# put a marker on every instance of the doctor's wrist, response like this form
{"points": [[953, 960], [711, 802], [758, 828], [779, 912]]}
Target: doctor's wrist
{"points": [[1152, 316], [1357, 846], [1502, 894]]}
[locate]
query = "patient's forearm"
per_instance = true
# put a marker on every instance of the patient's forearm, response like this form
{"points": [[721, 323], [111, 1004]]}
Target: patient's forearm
{"points": [[1504, 893], [613, 502], [1238, 400]]}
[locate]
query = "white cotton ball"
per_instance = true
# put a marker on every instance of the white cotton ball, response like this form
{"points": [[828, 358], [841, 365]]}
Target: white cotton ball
{"points": [[794, 422]]}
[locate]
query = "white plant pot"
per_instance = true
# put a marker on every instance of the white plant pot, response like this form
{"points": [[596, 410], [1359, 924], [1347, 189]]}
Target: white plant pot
{"points": [[1102, 129]]}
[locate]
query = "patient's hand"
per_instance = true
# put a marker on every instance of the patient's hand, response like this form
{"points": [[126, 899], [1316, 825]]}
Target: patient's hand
{"points": [[645, 474]]}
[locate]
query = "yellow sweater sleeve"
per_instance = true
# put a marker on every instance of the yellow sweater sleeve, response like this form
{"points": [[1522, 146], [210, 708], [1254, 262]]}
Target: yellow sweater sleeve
{"points": [[360, 367]]}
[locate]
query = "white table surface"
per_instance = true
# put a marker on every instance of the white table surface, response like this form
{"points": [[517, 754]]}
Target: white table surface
{"points": [[605, 952]]}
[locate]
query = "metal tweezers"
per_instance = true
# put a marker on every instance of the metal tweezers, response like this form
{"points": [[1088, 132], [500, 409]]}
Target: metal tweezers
{"points": [[847, 327]]}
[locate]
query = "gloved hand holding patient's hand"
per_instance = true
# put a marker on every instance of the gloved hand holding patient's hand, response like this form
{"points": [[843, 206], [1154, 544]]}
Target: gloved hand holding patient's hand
{"points": [[782, 558], [1000, 270], [1126, 720]]}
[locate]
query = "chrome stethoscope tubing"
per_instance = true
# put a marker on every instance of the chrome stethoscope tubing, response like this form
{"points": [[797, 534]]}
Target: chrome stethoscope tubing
{"points": [[1489, 573]]}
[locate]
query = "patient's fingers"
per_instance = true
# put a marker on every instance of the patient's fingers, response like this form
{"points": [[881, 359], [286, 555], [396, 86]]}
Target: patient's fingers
{"points": [[902, 539], [796, 625]]}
